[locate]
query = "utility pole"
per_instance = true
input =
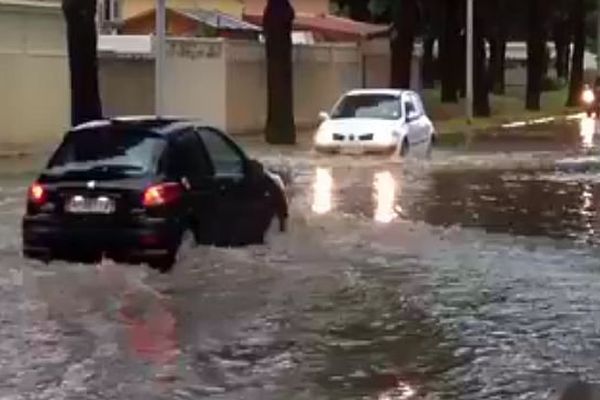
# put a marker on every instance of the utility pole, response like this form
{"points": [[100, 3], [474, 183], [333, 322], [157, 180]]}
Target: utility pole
{"points": [[469, 36], [159, 46]]}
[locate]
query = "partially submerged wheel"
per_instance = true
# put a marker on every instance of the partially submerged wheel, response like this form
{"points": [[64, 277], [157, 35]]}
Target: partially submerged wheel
{"points": [[404, 148], [186, 244], [430, 146]]}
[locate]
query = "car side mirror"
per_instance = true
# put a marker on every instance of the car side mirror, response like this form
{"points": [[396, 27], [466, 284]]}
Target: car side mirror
{"points": [[255, 169], [323, 116], [411, 116]]}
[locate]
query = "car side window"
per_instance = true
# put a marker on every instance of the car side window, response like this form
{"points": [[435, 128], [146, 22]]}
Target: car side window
{"points": [[418, 104], [226, 159], [409, 109], [187, 158]]}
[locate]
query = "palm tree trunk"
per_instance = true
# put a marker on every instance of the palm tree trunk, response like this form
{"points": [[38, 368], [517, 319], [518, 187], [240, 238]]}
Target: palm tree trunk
{"points": [[481, 100], [536, 51], [449, 48], [428, 63], [80, 16], [404, 29], [498, 49], [577, 21], [277, 21], [561, 42]]}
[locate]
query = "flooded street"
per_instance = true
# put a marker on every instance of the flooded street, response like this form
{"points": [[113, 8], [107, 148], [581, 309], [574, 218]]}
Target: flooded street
{"points": [[474, 275]]}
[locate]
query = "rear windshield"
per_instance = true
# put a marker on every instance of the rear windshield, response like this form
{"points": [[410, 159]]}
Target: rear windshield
{"points": [[109, 150], [379, 106]]}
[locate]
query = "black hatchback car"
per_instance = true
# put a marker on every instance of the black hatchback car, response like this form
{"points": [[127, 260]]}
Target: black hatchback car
{"points": [[134, 189]]}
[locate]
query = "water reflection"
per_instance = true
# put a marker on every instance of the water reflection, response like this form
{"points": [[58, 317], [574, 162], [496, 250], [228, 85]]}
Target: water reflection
{"points": [[402, 392], [322, 191], [520, 204], [384, 192], [587, 130]]}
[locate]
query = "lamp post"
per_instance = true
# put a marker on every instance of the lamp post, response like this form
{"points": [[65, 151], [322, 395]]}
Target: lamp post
{"points": [[159, 45]]}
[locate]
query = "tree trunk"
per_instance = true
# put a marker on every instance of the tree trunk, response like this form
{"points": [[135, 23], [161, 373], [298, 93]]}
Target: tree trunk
{"points": [[498, 49], [277, 21], [428, 63], [561, 42], [577, 21], [481, 87], [359, 10], [404, 29], [80, 16], [536, 52], [498, 65], [449, 48]]}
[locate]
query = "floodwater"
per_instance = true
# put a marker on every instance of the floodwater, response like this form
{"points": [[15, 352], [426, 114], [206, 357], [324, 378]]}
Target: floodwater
{"points": [[473, 275]]}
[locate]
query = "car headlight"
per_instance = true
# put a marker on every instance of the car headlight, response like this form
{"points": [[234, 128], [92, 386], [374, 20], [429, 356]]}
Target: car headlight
{"points": [[588, 96], [321, 137]]}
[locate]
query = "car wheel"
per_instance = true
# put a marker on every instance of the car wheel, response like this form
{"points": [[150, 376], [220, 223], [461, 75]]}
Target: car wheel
{"points": [[186, 244], [404, 148], [430, 146]]}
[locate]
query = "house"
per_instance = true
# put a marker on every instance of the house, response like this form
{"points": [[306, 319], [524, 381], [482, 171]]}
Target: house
{"points": [[192, 23], [123, 9], [313, 21], [129, 8]]}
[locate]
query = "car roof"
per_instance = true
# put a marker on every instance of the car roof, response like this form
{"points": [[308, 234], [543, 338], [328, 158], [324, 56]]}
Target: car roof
{"points": [[159, 125], [391, 92]]}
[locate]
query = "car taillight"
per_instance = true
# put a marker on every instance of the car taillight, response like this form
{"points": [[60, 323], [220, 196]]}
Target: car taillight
{"points": [[159, 195], [37, 194]]}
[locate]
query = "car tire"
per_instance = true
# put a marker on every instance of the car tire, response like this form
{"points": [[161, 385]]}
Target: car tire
{"points": [[430, 145], [404, 148], [185, 244]]}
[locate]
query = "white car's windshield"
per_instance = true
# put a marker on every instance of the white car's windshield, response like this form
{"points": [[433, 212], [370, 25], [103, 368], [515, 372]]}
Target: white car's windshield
{"points": [[379, 106]]}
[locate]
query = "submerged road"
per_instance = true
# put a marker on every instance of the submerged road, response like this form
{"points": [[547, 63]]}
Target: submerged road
{"points": [[474, 275]]}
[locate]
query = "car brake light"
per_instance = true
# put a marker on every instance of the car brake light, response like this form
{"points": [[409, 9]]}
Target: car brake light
{"points": [[162, 194], [37, 194]]}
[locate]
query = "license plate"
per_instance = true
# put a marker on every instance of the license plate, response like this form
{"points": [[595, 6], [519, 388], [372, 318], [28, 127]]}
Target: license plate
{"points": [[352, 150], [85, 205]]}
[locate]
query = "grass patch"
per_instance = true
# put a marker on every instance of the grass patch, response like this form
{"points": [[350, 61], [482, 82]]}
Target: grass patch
{"points": [[449, 118]]}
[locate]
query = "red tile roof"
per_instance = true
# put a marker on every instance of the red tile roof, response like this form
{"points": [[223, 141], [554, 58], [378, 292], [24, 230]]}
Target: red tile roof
{"points": [[330, 27]]}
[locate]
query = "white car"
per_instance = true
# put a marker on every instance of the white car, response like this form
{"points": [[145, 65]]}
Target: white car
{"points": [[375, 120]]}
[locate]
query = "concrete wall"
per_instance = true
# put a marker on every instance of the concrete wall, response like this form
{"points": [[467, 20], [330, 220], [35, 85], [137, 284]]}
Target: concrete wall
{"points": [[224, 81], [127, 86], [195, 82], [34, 84], [321, 74]]}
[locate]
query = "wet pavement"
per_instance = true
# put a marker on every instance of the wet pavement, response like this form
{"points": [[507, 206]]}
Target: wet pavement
{"points": [[473, 275]]}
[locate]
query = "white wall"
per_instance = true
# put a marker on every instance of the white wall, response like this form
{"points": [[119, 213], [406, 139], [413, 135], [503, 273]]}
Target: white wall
{"points": [[224, 82], [34, 80]]}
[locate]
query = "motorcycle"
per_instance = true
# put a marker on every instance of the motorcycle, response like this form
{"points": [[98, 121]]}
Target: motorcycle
{"points": [[590, 102]]}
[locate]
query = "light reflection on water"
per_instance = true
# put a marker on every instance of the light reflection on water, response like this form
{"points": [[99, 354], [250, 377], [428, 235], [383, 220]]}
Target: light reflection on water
{"points": [[403, 391], [384, 187], [384, 192], [322, 191], [587, 131]]}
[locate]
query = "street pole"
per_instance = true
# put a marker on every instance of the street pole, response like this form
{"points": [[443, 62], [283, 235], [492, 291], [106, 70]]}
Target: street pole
{"points": [[469, 35], [160, 44]]}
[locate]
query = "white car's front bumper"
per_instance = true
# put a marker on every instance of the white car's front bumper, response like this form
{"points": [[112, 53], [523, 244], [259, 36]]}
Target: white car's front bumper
{"points": [[356, 145]]}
